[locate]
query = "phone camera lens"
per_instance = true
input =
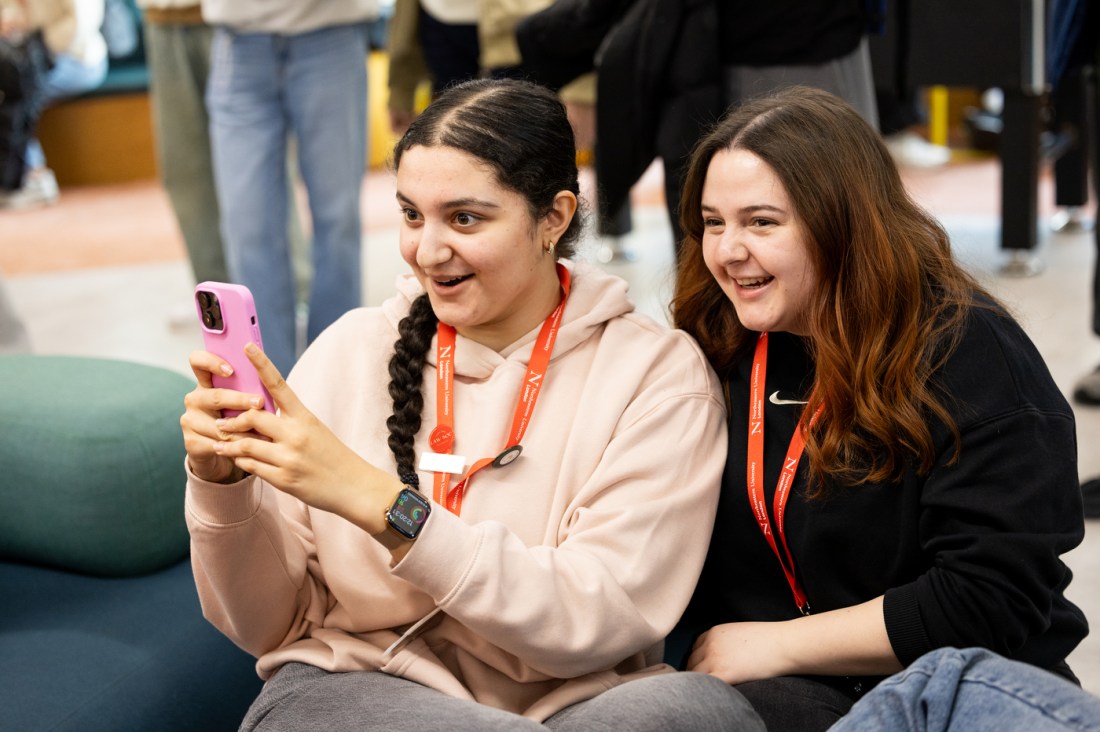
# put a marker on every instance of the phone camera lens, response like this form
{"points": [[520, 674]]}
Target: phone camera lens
{"points": [[207, 319]]}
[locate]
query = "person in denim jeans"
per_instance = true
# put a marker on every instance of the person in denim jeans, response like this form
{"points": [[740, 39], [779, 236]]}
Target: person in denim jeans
{"points": [[973, 689], [177, 49], [78, 58], [279, 70], [177, 45]]}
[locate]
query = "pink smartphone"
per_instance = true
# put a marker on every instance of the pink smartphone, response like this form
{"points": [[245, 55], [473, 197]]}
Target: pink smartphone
{"points": [[227, 314]]}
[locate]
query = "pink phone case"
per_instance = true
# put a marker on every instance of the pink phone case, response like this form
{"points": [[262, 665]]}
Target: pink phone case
{"points": [[227, 315]]}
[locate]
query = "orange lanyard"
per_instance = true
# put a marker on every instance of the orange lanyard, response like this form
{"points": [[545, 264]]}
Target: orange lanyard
{"points": [[442, 438], [755, 471]]}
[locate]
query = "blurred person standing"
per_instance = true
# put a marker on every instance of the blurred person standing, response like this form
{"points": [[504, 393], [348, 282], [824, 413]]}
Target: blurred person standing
{"points": [[177, 47], [450, 41], [447, 31], [818, 43], [668, 68], [78, 58], [766, 47], [280, 68]]}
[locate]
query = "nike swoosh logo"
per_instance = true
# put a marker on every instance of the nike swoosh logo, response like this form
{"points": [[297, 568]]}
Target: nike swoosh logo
{"points": [[774, 399]]}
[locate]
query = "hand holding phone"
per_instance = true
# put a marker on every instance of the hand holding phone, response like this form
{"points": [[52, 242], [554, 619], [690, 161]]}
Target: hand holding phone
{"points": [[227, 315]]}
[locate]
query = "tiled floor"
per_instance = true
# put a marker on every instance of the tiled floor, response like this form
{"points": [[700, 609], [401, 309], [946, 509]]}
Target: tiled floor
{"points": [[102, 272]]}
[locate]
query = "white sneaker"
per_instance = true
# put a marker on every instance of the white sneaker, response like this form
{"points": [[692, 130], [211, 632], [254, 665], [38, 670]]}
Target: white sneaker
{"points": [[39, 189], [1070, 219], [911, 150]]}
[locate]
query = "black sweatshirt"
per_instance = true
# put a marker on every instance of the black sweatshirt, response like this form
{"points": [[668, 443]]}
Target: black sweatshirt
{"points": [[967, 555]]}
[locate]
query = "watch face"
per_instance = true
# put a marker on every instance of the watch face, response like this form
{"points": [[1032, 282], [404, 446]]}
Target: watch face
{"points": [[408, 513]]}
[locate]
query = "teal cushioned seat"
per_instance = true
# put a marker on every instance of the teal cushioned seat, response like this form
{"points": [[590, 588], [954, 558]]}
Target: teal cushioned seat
{"points": [[91, 464], [118, 654]]}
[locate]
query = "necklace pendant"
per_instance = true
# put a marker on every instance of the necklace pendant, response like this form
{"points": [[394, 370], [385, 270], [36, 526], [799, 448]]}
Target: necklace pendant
{"points": [[508, 456]]}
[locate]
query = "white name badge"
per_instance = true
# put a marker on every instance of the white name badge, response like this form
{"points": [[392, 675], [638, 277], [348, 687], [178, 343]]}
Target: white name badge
{"points": [[438, 462]]}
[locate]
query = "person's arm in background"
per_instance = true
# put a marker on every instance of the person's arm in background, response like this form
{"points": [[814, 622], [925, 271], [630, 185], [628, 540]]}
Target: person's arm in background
{"points": [[408, 69], [496, 30]]}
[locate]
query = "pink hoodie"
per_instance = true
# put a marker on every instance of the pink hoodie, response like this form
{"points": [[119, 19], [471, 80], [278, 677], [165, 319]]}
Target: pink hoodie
{"points": [[566, 569]]}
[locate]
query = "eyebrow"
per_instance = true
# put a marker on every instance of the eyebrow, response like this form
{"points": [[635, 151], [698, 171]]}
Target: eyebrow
{"points": [[747, 209], [454, 203]]}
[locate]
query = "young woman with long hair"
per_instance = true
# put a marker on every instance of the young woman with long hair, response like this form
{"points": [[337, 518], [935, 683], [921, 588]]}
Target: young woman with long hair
{"points": [[467, 513], [901, 473]]}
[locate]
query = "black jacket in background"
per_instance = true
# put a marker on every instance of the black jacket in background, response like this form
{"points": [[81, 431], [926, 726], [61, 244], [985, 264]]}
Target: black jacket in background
{"points": [[658, 84], [789, 32]]}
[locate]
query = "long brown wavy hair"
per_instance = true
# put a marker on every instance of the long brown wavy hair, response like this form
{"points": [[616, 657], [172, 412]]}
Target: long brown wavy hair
{"points": [[889, 301]]}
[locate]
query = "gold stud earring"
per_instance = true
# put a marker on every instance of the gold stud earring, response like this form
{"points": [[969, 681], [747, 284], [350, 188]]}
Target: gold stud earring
{"points": [[550, 246]]}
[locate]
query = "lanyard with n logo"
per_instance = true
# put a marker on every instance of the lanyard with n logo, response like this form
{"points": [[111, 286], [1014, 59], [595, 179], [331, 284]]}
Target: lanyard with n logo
{"points": [[442, 438], [755, 470]]}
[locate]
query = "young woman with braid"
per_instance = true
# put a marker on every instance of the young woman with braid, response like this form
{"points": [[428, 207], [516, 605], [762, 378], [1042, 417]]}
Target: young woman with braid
{"points": [[484, 504], [938, 484]]}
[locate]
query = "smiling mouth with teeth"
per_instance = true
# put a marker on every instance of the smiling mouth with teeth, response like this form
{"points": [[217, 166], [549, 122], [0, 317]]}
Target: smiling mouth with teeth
{"points": [[453, 282], [754, 283]]}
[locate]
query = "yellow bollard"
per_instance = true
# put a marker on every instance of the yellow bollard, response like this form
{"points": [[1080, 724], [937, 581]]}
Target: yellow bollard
{"points": [[937, 115], [380, 139]]}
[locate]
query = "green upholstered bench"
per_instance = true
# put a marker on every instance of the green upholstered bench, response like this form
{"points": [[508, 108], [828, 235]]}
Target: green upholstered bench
{"points": [[100, 625]]}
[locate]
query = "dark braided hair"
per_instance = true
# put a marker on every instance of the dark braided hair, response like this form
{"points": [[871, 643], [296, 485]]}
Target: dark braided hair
{"points": [[406, 379], [520, 131]]}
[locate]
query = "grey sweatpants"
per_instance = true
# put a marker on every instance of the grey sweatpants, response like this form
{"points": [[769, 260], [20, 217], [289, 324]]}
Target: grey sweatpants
{"points": [[302, 697]]}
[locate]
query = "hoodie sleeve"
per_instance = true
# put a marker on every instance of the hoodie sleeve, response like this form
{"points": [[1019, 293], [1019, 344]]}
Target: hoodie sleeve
{"points": [[254, 563], [995, 523], [254, 551], [629, 549]]}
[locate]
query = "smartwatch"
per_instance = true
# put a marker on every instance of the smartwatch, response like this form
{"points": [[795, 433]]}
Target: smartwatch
{"points": [[408, 513]]}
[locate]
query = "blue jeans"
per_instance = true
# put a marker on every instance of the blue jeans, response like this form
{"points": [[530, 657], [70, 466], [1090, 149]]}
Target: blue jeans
{"points": [[975, 690], [66, 78], [263, 88]]}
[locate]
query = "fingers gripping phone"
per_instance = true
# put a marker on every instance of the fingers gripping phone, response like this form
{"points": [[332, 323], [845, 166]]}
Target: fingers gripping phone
{"points": [[227, 314]]}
